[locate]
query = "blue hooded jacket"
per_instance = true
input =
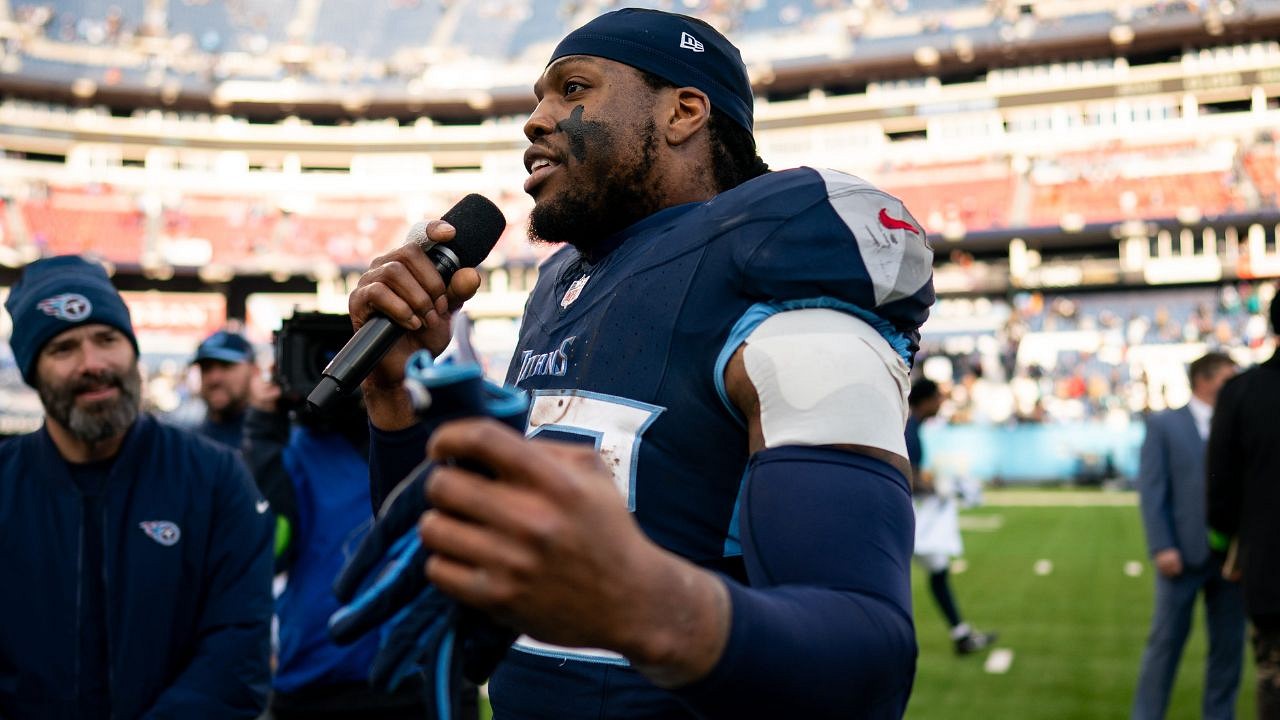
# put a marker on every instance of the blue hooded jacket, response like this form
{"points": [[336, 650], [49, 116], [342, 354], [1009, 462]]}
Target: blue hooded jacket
{"points": [[187, 570]]}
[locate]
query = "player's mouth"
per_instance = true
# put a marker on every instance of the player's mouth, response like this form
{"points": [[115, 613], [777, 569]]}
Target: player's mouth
{"points": [[540, 165]]}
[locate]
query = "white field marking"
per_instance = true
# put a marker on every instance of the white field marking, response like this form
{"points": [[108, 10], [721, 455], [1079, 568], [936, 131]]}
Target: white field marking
{"points": [[1062, 498], [1042, 567], [981, 523], [1133, 568], [999, 661], [959, 565]]}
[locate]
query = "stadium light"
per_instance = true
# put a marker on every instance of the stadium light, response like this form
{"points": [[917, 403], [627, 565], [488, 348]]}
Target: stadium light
{"points": [[1121, 35], [927, 56], [84, 88], [215, 273]]}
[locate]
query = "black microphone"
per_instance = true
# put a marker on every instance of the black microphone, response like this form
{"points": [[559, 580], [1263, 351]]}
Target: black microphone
{"points": [[479, 224]]}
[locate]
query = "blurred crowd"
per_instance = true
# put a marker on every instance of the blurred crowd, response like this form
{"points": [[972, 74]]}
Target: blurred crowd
{"points": [[1100, 357]]}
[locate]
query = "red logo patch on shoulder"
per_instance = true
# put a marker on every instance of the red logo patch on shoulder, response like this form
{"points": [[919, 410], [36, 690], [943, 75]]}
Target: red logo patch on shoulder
{"points": [[894, 223]]}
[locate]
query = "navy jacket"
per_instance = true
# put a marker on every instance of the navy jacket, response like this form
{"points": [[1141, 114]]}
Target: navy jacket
{"points": [[1171, 486], [187, 575]]}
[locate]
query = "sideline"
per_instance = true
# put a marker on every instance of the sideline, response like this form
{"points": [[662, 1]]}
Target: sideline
{"points": [[1058, 498]]}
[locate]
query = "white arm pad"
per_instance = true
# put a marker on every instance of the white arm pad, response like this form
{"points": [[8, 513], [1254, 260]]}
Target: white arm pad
{"points": [[825, 377]]}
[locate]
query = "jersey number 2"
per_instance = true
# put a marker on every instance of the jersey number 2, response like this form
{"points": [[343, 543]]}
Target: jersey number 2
{"points": [[613, 424]]}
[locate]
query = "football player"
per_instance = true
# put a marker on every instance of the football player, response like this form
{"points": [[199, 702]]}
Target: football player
{"points": [[732, 345]]}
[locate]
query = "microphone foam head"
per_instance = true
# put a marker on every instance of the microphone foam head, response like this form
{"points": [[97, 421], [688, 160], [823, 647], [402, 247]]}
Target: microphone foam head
{"points": [[479, 224]]}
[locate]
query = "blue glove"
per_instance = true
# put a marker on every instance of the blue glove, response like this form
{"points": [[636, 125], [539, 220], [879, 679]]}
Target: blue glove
{"points": [[383, 584]]}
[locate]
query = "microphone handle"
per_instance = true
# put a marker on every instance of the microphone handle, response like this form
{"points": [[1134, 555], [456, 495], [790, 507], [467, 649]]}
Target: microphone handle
{"points": [[357, 358]]}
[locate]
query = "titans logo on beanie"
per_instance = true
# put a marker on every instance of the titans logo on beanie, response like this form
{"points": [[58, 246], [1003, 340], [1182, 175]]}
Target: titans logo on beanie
{"points": [[57, 294]]}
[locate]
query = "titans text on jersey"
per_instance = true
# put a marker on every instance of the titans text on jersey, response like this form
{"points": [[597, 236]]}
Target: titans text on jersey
{"points": [[552, 362]]}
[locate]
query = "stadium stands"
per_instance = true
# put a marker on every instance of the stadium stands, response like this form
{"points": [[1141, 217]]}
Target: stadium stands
{"points": [[1132, 150], [79, 220]]}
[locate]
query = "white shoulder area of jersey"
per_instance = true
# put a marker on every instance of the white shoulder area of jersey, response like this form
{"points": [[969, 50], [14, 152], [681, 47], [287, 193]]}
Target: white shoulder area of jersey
{"points": [[894, 247], [838, 182], [825, 377]]}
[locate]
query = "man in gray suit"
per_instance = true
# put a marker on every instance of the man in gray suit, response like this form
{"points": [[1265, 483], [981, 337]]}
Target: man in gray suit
{"points": [[1171, 486]]}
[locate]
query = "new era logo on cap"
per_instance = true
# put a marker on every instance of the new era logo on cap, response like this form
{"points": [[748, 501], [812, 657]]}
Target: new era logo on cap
{"points": [[689, 42], [72, 307]]}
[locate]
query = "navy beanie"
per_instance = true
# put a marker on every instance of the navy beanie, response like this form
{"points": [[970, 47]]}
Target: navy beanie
{"points": [[57, 294], [676, 48]]}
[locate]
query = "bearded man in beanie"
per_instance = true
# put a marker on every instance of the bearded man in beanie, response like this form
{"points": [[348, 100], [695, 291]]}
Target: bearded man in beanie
{"points": [[134, 556], [728, 347]]}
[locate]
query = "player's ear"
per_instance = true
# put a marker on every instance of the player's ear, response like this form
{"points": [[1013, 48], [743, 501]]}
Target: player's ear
{"points": [[690, 111]]}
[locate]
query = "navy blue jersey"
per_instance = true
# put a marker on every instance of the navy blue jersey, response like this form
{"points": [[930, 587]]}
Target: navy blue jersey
{"points": [[629, 352]]}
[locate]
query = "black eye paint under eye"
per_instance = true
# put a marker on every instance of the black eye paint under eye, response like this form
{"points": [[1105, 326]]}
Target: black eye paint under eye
{"points": [[580, 132]]}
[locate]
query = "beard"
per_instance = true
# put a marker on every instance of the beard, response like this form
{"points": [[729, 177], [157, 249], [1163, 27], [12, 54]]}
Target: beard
{"points": [[620, 196], [102, 420]]}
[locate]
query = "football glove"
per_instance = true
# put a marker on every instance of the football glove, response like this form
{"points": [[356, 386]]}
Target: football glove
{"points": [[383, 584]]}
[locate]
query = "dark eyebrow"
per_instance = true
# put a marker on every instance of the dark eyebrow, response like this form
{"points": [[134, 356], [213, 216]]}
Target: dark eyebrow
{"points": [[63, 344], [558, 68]]}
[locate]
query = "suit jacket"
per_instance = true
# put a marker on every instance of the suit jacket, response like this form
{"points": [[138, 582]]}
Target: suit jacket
{"points": [[1171, 486], [1244, 479]]}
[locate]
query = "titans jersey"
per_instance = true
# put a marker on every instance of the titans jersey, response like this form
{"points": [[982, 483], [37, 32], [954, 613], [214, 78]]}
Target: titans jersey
{"points": [[629, 352]]}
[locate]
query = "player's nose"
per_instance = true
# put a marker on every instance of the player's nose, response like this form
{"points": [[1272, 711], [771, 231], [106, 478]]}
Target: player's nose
{"points": [[541, 122]]}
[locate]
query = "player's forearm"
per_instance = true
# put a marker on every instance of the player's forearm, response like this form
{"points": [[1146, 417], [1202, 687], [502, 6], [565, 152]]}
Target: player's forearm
{"points": [[390, 408], [808, 652], [392, 455], [685, 626], [818, 633]]}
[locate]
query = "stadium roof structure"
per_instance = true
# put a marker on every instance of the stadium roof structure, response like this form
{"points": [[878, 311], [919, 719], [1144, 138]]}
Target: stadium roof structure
{"points": [[471, 59]]}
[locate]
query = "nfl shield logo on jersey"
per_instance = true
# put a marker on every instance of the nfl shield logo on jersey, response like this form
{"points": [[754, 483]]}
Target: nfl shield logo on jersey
{"points": [[162, 531], [574, 291]]}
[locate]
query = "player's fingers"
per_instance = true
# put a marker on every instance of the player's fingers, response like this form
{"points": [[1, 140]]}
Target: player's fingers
{"points": [[464, 285], [476, 545], [412, 279], [440, 231], [574, 455], [507, 508], [423, 270], [411, 256], [379, 298], [466, 583], [495, 446]]}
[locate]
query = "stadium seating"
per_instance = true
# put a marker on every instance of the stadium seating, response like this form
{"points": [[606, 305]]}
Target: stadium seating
{"points": [[1119, 182], [1263, 165], [86, 220], [976, 196]]}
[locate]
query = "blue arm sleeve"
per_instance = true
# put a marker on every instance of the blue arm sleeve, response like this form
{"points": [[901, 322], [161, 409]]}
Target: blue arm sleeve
{"points": [[392, 456], [825, 629]]}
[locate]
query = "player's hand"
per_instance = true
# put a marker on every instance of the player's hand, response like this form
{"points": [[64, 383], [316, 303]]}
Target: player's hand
{"points": [[1168, 562], [264, 395], [405, 286], [924, 484], [549, 548]]}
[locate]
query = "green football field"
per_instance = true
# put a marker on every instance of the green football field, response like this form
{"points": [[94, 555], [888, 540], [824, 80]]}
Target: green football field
{"points": [[1076, 631]]}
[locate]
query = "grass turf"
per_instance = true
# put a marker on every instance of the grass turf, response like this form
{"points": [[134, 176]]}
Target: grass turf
{"points": [[1077, 633]]}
